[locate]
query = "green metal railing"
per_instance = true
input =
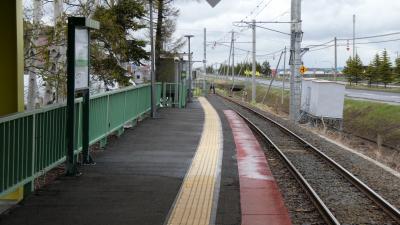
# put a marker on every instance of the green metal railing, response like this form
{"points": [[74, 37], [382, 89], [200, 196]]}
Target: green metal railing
{"points": [[200, 87], [183, 94], [32, 143], [174, 94]]}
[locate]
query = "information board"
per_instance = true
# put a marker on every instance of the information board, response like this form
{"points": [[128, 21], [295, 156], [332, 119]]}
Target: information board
{"points": [[81, 58]]}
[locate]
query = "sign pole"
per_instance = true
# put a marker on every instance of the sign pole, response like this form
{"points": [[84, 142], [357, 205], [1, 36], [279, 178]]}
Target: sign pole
{"points": [[78, 64], [71, 165]]}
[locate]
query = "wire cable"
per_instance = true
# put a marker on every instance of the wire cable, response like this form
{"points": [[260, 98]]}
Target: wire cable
{"points": [[373, 36]]}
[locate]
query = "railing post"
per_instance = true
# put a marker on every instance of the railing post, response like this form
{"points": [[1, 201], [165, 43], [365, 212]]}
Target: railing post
{"points": [[87, 159], [103, 141], [137, 103], [30, 187], [125, 105], [164, 93]]}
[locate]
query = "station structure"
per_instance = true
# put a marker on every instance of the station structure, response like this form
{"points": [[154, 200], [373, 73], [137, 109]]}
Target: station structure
{"points": [[198, 162]]}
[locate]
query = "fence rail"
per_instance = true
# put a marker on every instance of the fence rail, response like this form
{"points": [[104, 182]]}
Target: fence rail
{"points": [[34, 142]]}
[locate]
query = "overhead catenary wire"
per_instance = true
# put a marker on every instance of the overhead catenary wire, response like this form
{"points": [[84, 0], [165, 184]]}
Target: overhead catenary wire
{"points": [[248, 16], [266, 5], [369, 37], [271, 53], [236, 48], [319, 45], [357, 43]]}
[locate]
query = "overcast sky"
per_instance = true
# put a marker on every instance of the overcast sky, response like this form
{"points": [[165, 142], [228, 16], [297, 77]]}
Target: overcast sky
{"points": [[322, 21]]}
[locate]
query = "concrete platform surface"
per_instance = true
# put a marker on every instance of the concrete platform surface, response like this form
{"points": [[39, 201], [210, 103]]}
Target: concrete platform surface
{"points": [[135, 181], [179, 169]]}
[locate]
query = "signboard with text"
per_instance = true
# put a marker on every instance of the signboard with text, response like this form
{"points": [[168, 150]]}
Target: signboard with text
{"points": [[81, 58]]}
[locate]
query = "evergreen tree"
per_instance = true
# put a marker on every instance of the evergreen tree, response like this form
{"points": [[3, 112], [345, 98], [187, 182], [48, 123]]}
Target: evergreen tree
{"points": [[397, 68], [372, 72], [385, 69], [114, 43], [165, 43], [353, 70], [266, 68], [210, 70]]}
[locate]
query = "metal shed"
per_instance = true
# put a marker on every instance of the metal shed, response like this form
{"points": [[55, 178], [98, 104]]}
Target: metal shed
{"points": [[321, 98], [306, 88]]}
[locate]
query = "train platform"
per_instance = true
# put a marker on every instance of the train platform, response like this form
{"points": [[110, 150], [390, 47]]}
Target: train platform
{"points": [[198, 165]]}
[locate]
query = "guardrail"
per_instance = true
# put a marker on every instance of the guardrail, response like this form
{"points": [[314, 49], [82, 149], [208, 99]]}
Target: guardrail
{"points": [[32, 143]]}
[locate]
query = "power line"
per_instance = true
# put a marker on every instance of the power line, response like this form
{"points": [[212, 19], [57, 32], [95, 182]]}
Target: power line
{"points": [[266, 28], [235, 47], [358, 43], [318, 49], [266, 5], [375, 42], [271, 53], [319, 45], [252, 12], [368, 37], [262, 27]]}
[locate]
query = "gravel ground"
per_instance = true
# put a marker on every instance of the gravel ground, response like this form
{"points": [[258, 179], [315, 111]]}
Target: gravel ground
{"points": [[348, 204]]}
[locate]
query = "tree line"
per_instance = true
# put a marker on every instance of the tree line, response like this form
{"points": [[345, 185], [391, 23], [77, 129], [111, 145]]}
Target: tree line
{"points": [[263, 68], [379, 70]]}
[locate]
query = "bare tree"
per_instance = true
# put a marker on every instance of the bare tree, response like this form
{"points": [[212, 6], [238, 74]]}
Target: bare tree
{"points": [[32, 88]]}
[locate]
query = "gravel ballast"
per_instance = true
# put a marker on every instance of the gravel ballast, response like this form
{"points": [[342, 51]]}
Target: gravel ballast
{"points": [[363, 210]]}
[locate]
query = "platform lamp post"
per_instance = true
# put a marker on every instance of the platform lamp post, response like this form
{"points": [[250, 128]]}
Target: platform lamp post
{"points": [[190, 67], [78, 66], [152, 64]]}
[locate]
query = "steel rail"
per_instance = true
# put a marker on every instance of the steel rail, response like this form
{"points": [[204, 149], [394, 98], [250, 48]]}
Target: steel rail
{"points": [[326, 214], [391, 210]]}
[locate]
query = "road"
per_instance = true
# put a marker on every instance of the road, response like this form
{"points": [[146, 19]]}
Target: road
{"points": [[376, 96]]}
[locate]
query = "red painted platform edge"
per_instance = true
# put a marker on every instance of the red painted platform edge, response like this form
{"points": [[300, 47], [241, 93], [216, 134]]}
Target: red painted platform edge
{"points": [[260, 199]]}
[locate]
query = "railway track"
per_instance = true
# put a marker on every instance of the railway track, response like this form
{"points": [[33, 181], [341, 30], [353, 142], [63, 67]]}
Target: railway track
{"points": [[339, 196]]}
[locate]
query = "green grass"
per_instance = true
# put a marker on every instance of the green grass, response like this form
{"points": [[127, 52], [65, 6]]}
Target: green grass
{"points": [[273, 100], [374, 88], [368, 119]]}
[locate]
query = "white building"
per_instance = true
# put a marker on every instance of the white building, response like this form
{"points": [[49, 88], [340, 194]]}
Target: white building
{"points": [[321, 98]]}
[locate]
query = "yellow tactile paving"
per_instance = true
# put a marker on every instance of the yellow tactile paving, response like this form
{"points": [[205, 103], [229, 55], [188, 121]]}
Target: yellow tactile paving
{"points": [[194, 202]]}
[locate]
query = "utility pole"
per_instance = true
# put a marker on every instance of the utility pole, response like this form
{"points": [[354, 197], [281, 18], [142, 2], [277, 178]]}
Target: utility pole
{"points": [[354, 36], [228, 65], [335, 72], [152, 72], [233, 56], [190, 68], [284, 75], [253, 78], [295, 60], [205, 51]]}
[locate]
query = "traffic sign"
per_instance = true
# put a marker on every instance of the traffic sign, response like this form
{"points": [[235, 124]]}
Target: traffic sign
{"points": [[213, 3], [303, 69]]}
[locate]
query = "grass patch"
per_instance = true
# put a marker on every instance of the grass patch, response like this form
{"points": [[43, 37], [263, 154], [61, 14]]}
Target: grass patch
{"points": [[376, 121], [374, 88], [273, 100]]}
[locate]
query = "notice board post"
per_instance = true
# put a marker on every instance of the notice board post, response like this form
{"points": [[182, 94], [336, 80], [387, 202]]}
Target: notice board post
{"points": [[78, 66]]}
